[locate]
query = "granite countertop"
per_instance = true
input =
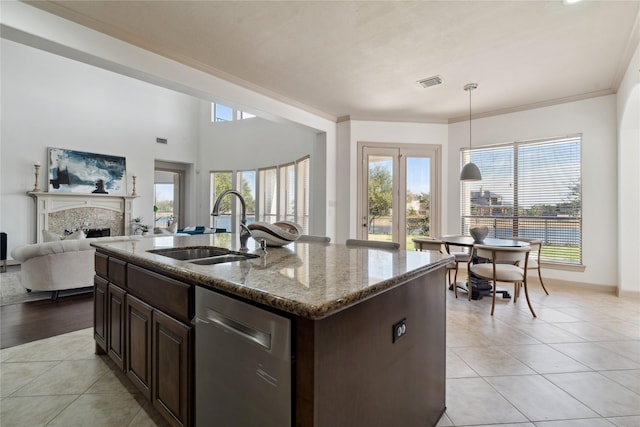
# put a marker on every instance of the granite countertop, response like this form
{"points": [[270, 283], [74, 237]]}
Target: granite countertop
{"points": [[308, 279]]}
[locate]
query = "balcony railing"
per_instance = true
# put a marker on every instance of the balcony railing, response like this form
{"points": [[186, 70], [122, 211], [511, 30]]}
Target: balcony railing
{"points": [[561, 236]]}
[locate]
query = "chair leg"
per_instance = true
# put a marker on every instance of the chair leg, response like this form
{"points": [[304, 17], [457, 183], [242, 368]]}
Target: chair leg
{"points": [[540, 276], [493, 297], [455, 281], [516, 289], [526, 294], [469, 287]]}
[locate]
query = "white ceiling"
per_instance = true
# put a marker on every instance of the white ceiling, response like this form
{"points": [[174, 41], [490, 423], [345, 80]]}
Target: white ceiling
{"points": [[362, 59]]}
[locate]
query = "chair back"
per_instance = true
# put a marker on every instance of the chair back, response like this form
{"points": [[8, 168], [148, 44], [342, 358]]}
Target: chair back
{"points": [[373, 244], [311, 238], [503, 254], [535, 244], [429, 244]]}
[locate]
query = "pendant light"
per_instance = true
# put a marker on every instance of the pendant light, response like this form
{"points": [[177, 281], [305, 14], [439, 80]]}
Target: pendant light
{"points": [[470, 171]]}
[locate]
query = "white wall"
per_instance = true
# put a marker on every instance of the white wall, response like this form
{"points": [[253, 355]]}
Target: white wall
{"points": [[628, 119], [51, 101], [595, 119]]}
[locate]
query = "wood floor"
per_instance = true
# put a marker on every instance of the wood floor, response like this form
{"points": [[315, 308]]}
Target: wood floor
{"points": [[35, 320]]}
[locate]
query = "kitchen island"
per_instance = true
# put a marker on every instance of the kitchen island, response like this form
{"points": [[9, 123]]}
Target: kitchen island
{"points": [[367, 326]]}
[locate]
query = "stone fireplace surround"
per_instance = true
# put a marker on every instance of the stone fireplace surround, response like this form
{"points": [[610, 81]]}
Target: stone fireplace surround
{"points": [[58, 212]]}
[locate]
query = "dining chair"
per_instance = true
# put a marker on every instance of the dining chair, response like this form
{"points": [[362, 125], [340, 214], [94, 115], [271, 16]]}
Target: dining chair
{"points": [[459, 258], [433, 244], [373, 244], [311, 238], [534, 257], [504, 264]]}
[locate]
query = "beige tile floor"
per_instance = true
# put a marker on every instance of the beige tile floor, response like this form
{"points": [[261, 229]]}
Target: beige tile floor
{"points": [[577, 364]]}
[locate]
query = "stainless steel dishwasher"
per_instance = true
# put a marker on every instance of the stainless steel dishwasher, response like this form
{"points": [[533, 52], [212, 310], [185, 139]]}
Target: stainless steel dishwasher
{"points": [[243, 364]]}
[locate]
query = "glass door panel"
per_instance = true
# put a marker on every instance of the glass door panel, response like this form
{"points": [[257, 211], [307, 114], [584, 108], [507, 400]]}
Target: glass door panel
{"points": [[418, 198], [380, 201], [166, 199]]}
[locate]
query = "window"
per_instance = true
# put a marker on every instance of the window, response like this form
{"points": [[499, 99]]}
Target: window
{"points": [[246, 184], [272, 194], [288, 192], [242, 115], [224, 113], [221, 113], [268, 195], [220, 182], [302, 196], [529, 189]]}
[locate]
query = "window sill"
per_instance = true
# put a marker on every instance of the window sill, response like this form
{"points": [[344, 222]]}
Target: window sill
{"points": [[564, 267]]}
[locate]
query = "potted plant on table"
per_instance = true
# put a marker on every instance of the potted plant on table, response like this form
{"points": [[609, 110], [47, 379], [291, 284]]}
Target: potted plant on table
{"points": [[139, 227]]}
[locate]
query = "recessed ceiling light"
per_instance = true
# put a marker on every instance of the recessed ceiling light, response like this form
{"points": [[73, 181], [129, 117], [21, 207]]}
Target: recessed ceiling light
{"points": [[566, 2], [430, 81]]}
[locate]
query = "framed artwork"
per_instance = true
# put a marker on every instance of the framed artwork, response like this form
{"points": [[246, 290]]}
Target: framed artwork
{"points": [[73, 171]]}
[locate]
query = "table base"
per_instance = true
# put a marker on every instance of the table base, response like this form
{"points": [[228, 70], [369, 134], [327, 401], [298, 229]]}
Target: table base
{"points": [[480, 288]]}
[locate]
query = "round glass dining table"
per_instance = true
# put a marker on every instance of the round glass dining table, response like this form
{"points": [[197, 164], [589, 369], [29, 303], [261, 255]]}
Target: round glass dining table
{"points": [[468, 242]]}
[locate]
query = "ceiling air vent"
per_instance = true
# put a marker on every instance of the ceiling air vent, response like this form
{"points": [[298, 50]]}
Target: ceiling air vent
{"points": [[430, 81], [161, 140]]}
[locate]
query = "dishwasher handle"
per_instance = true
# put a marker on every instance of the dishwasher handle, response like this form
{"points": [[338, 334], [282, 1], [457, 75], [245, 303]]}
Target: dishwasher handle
{"points": [[261, 338]]}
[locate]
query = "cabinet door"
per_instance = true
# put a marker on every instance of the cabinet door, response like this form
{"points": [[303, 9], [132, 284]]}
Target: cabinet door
{"points": [[116, 325], [172, 368], [138, 348], [100, 313]]}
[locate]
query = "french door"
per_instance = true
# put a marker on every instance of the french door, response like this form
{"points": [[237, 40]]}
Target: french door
{"points": [[398, 192]]}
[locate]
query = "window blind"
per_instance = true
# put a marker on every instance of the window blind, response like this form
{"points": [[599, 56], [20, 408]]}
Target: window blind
{"points": [[529, 189]]}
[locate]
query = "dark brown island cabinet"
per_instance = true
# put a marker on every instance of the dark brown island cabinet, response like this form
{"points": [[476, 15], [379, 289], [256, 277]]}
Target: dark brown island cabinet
{"points": [[142, 321], [378, 362]]}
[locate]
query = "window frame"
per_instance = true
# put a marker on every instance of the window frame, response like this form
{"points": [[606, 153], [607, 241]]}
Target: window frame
{"points": [[561, 233]]}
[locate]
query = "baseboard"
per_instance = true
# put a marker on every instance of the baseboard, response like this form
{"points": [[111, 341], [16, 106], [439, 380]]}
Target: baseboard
{"points": [[628, 294], [557, 283], [551, 283]]}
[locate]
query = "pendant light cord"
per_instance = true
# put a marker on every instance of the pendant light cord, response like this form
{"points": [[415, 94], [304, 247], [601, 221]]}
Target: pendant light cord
{"points": [[470, 123]]}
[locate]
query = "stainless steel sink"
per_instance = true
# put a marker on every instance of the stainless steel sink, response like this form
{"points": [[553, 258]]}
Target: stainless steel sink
{"points": [[222, 258], [203, 255]]}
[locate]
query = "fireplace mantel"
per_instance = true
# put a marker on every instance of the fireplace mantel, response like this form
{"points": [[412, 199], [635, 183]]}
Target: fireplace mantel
{"points": [[48, 203]]}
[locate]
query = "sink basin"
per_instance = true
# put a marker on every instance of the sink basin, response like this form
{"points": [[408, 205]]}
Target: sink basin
{"points": [[185, 254], [203, 255], [222, 258]]}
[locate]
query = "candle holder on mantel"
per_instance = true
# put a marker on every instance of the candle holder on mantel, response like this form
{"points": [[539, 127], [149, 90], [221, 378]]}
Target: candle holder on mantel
{"points": [[133, 191], [36, 166]]}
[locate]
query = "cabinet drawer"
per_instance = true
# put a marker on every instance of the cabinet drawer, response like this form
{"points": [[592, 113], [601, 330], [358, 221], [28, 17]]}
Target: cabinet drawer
{"points": [[101, 265], [168, 295], [117, 272]]}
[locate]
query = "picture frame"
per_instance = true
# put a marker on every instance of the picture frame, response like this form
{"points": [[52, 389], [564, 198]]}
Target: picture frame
{"points": [[72, 171]]}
